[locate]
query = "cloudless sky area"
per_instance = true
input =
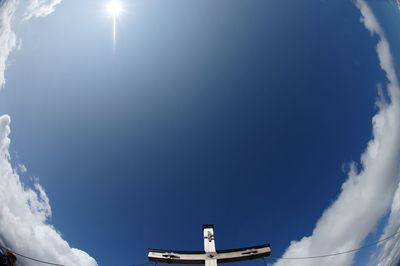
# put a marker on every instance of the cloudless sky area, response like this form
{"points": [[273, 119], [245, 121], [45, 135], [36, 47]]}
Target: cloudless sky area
{"points": [[244, 114]]}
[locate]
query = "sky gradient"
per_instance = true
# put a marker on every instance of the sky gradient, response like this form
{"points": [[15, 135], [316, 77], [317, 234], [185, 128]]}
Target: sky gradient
{"points": [[245, 114]]}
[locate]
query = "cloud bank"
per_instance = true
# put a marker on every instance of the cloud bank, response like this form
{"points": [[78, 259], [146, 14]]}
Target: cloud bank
{"points": [[24, 211], [368, 194], [24, 214]]}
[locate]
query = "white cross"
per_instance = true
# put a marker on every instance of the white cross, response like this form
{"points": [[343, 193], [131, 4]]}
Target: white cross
{"points": [[210, 256]]}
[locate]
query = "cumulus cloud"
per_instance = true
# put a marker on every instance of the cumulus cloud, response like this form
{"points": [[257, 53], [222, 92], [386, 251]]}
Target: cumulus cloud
{"points": [[367, 194], [40, 8], [7, 36], [24, 215]]}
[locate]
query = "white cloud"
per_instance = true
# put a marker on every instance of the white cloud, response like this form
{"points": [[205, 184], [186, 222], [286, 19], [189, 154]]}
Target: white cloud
{"points": [[7, 36], [24, 211], [366, 195], [40, 8], [397, 2], [22, 168], [390, 252], [24, 215]]}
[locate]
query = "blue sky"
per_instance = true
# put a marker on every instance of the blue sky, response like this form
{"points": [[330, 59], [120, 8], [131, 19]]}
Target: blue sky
{"points": [[245, 114]]}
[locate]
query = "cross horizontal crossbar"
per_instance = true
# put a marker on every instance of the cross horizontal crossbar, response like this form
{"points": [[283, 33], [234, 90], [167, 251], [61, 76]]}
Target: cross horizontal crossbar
{"points": [[200, 257]]}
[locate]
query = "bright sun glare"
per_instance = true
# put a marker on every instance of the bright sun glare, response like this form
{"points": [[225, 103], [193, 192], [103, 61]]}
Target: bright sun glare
{"points": [[114, 8]]}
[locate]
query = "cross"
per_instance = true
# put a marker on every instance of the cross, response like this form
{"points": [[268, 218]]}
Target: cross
{"points": [[210, 256]]}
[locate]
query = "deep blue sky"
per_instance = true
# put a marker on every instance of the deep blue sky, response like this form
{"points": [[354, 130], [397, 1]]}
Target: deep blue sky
{"points": [[239, 113]]}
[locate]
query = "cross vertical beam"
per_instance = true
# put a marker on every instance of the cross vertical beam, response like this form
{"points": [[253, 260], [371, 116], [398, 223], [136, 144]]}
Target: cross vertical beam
{"points": [[209, 245]]}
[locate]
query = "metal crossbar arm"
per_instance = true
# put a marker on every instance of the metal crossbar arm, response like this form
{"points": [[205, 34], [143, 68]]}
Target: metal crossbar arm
{"points": [[198, 257], [210, 256]]}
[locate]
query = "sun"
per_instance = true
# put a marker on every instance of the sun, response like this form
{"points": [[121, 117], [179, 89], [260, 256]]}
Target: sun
{"points": [[114, 8]]}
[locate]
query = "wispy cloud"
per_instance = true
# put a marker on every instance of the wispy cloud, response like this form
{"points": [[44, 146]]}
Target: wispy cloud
{"points": [[7, 36], [397, 2], [390, 250], [40, 8], [367, 194], [25, 213]]}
